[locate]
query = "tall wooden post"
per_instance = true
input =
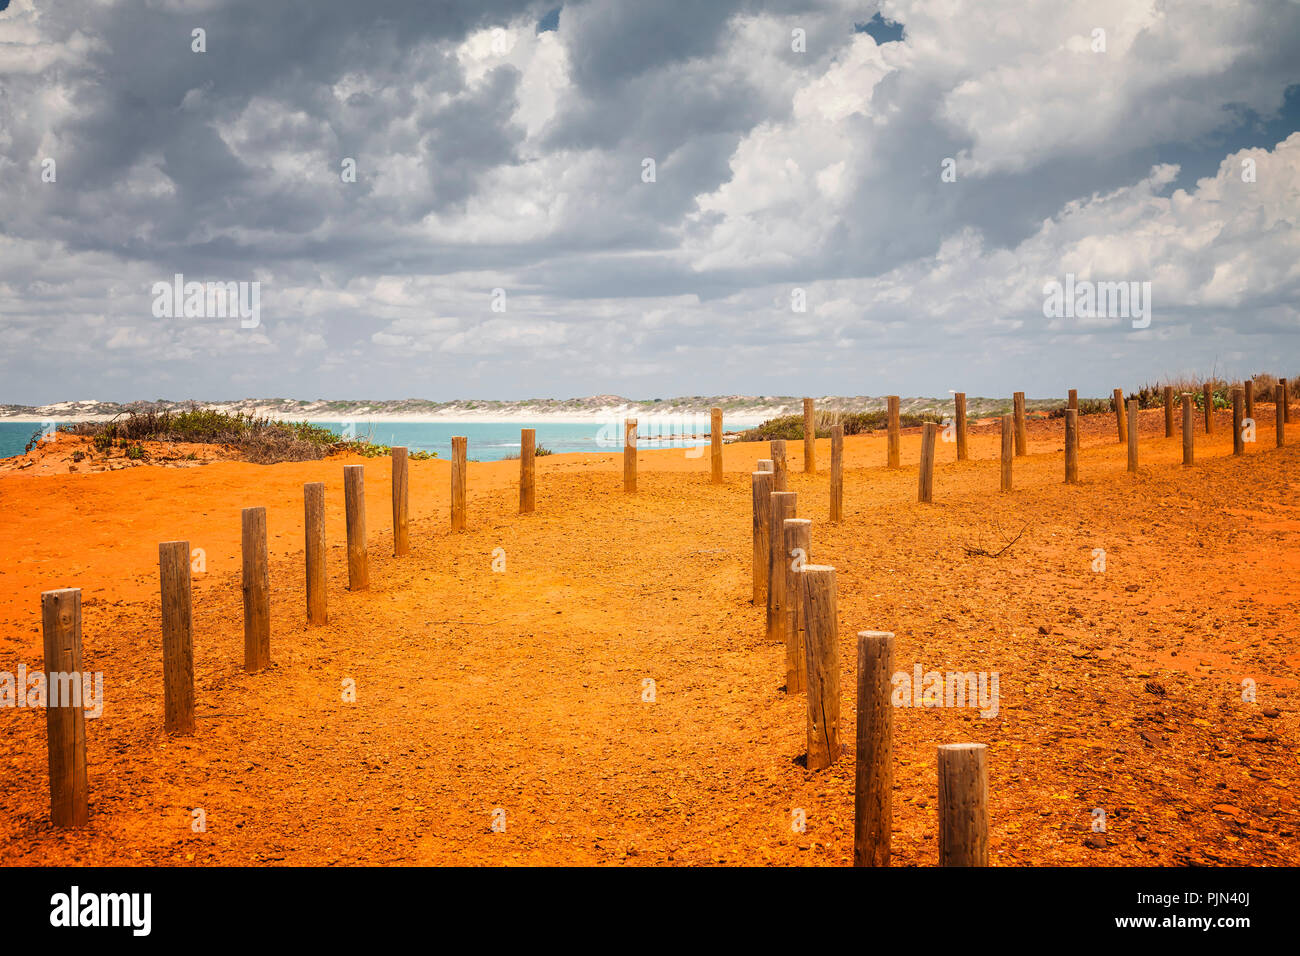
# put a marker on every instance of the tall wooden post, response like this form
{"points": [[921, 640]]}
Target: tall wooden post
{"points": [[1189, 453], [1133, 435], [1249, 386], [459, 474], [1072, 401], [1007, 452], [821, 640], [715, 444], [797, 537], [779, 466], [313, 497], [925, 480], [784, 505], [1208, 398], [65, 717], [1286, 401], [1071, 447], [527, 470], [837, 474], [1022, 435], [1238, 439], [809, 437], [256, 586], [1121, 424], [959, 419], [629, 456], [873, 790], [401, 504], [1279, 398], [895, 433], [354, 508], [963, 805], [762, 482], [177, 637], [1169, 411]]}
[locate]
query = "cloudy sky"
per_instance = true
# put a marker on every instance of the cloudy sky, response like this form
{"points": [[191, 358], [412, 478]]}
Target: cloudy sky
{"points": [[915, 170]]}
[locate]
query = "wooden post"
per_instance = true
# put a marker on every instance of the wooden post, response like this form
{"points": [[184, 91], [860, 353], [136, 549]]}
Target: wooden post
{"points": [[797, 536], [1022, 436], [257, 591], [809, 437], [1073, 400], [822, 661], [1279, 398], [779, 467], [959, 419], [895, 437], [784, 505], [1007, 445], [527, 474], [767, 465], [65, 717], [1238, 440], [629, 456], [1071, 447], [715, 444], [873, 790], [1207, 397], [1169, 411], [1121, 424], [762, 481], [1249, 386], [963, 805], [1286, 402], [354, 507], [1189, 454], [401, 504], [177, 637], [459, 472], [1133, 435], [313, 495], [837, 474], [925, 480]]}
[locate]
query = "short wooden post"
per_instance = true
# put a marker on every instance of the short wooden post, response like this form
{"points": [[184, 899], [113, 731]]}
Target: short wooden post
{"points": [[963, 805], [809, 437], [1286, 402], [784, 505], [1071, 447], [459, 473], [779, 466], [959, 419], [177, 637], [797, 537], [1279, 398], [1238, 439], [256, 585], [401, 504], [1169, 411], [527, 473], [1007, 452], [1249, 386], [822, 661], [1189, 453], [873, 792], [1072, 401], [1121, 423], [1133, 435], [837, 474], [1022, 436], [925, 480], [313, 496], [894, 439], [65, 717], [629, 456], [1207, 397], [354, 508], [715, 444], [762, 487]]}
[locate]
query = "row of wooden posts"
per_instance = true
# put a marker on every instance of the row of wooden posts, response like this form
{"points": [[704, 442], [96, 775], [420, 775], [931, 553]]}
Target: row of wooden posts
{"points": [[801, 599]]}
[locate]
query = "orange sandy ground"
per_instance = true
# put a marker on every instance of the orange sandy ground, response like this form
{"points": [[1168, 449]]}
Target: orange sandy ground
{"points": [[522, 690]]}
